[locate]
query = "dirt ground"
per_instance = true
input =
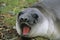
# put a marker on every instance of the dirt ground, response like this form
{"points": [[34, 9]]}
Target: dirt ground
{"points": [[7, 32]]}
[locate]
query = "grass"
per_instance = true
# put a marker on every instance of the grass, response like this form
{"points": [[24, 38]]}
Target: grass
{"points": [[13, 7]]}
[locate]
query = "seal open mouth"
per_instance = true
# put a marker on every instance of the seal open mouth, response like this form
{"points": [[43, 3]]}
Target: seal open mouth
{"points": [[25, 29]]}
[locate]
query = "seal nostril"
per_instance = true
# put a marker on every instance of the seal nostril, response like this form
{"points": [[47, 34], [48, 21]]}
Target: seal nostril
{"points": [[21, 18], [25, 19]]}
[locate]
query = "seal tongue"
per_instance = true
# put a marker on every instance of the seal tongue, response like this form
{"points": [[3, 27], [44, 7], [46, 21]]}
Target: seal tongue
{"points": [[26, 30]]}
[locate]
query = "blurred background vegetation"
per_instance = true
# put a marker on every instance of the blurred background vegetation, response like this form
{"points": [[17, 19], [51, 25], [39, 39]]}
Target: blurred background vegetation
{"points": [[10, 8]]}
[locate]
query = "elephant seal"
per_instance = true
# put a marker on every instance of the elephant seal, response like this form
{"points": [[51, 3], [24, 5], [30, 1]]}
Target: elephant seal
{"points": [[41, 19]]}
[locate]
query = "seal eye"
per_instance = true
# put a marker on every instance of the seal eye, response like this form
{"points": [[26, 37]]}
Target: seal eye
{"points": [[35, 16], [20, 13]]}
